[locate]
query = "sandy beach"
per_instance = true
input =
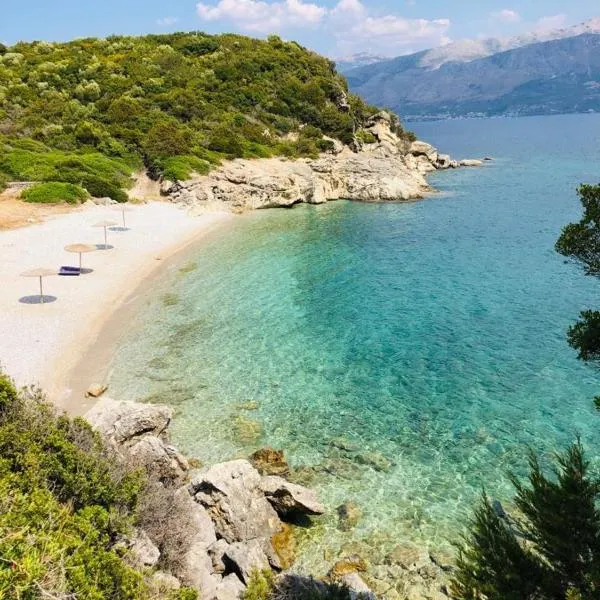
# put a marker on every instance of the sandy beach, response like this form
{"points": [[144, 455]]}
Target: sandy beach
{"points": [[41, 344]]}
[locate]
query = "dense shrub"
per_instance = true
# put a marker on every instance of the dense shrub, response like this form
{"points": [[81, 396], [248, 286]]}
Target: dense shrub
{"points": [[54, 192], [62, 502], [65, 499], [143, 100], [179, 168], [551, 552]]}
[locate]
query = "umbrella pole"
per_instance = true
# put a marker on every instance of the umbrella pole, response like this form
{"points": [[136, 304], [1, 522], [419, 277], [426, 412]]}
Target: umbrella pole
{"points": [[105, 239], [41, 292], [80, 261], [124, 226]]}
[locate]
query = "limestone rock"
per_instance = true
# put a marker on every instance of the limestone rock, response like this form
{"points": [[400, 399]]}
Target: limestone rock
{"points": [[289, 498], [162, 583], [349, 515], [357, 587], [216, 551], [143, 552], [231, 493], [230, 588], [151, 453], [121, 421], [269, 461], [470, 162], [244, 557], [388, 170], [96, 390]]}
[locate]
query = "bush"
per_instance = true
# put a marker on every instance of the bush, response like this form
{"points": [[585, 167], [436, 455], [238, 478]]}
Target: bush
{"points": [[180, 168], [55, 193], [366, 137], [63, 501], [101, 188], [552, 553]]}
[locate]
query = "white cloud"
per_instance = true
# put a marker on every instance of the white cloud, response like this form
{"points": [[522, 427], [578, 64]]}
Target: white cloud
{"points": [[550, 23], [507, 16], [354, 27], [167, 21], [261, 16]]}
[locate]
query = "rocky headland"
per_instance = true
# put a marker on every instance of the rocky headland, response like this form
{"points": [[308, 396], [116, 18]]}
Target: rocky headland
{"points": [[211, 528], [386, 168]]}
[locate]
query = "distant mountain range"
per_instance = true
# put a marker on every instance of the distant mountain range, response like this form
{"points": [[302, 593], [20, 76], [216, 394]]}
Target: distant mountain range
{"points": [[539, 73]]}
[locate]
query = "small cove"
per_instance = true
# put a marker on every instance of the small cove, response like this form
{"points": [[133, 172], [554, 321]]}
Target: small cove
{"points": [[404, 355]]}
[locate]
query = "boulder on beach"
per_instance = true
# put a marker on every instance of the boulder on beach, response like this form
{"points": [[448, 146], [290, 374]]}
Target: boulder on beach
{"points": [[120, 422]]}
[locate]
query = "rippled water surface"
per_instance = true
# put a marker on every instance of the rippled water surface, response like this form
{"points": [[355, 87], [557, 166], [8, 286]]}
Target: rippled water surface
{"points": [[404, 355]]}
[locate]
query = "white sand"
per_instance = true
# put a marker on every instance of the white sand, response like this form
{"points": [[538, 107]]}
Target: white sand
{"points": [[40, 344]]}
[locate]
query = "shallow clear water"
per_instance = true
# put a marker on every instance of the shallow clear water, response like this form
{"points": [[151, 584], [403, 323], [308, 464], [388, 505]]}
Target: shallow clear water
{"points": [[404, 354]]}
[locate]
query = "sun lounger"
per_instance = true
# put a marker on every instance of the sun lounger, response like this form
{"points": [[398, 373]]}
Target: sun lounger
{"points": [[70, 271]]}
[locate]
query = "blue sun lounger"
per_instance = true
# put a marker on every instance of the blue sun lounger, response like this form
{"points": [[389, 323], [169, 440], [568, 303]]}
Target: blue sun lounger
{"points": [[70, 271]]}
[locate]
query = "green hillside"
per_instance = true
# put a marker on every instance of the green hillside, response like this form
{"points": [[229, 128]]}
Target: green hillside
{"points": [[90, 111]]}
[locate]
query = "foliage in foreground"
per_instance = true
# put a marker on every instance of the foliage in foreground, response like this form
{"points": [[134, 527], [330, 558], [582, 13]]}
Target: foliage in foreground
{"points": [[581, 241], [263, 585], [552, 552], [81, 112], [64, 501]]}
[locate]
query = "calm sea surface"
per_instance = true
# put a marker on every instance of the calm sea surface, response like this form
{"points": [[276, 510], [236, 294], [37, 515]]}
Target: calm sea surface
{"points": [[404, 355]]}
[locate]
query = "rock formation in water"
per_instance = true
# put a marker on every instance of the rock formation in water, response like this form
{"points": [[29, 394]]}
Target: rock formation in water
{"points": [[210, 528], [390, 168]]}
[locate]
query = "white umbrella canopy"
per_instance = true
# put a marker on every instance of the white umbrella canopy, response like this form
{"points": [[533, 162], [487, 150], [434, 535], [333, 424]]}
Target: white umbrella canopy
{"points": [[80, 249], [40, 272], [105, 224]]}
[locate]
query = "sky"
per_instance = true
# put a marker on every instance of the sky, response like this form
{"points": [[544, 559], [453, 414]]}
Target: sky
{"points": [[336, 28]]}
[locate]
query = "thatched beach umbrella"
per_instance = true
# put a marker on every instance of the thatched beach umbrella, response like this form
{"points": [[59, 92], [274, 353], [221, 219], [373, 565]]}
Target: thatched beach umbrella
{"points": [[123, 208], [105, 224], [80, 249], [41, 273]]}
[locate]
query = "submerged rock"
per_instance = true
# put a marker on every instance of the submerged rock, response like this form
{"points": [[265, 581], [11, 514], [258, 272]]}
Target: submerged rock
{"points": [[349, 515], [375, 460], [269, 461], [345, 566], [284, 544]]}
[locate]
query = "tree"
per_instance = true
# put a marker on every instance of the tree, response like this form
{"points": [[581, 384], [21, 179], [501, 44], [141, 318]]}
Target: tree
{"points": [[551, 553], [581, 241]]}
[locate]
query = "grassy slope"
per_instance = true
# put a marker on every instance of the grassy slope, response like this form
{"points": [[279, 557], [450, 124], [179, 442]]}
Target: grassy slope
{"points": [[89, 112]]}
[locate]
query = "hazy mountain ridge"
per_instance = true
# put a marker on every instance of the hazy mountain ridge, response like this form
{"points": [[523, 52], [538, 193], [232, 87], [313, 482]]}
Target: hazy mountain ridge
{"points": [[561, 75], [471, 49]]}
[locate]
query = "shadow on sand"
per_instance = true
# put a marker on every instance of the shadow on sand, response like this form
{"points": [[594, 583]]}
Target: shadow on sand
{"points": [[37, 299]]}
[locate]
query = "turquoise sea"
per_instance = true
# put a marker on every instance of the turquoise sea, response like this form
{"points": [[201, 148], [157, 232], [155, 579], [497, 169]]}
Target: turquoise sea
{"points": [[405, 356]]}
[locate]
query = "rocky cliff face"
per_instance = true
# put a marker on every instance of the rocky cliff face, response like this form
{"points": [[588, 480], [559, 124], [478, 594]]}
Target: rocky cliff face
{"points": [[390, 168]]}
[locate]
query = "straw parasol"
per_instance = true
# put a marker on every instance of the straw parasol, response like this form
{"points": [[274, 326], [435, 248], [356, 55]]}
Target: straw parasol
{"points": [[123, 208], [80, 249], [105, 224], [41, 273]]}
